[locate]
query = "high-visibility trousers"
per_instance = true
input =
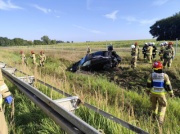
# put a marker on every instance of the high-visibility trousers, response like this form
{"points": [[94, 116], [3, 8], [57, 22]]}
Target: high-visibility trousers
{"points": [[149, 58], [159, 104], [134, 61], [168, 62], [3, 125]]}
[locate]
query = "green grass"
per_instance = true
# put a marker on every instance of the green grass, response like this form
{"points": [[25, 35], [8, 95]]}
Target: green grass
{"points": [[28, 118], [118, 93]]}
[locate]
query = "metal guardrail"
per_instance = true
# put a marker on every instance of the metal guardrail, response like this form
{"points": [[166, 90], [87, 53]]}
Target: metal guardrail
{"points": [[101, 112], [97, 110], [53, 108]]}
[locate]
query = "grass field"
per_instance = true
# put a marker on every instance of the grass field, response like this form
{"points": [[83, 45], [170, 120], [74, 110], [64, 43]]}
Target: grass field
{"points": [[118, 92]]}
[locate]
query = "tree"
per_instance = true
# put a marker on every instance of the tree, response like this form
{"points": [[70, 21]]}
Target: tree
{"points": [[28, 43], [45, 39], [59, 41], [53, 41], [38, 42], [167, 29], [18, 41], [2, 41]]}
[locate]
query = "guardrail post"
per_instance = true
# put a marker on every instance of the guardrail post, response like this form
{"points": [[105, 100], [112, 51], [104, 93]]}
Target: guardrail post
{"points": [[69, 103]]}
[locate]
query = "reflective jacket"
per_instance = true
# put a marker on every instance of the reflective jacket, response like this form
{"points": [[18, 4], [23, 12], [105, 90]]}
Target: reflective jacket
{"points": [[168, 53], [135, 51], [4, 92], [1, 102], [154, 50], [144, 49], [3, 88], [42, 57], [159, 84], [33, 56], [149, 50], [161, 51], [3, 124], [23, 57], [88, 50]]}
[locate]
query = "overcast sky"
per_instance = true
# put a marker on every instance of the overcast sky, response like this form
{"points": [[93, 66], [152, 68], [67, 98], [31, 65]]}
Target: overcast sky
{"points": [[83, 20]]}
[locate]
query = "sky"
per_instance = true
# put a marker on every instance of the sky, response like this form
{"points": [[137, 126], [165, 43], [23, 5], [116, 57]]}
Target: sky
{"points": [[83, 20]]}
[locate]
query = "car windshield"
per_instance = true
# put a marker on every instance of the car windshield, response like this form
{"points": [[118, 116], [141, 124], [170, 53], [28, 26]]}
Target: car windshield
{"points": [[99, 53], [85, 58]]}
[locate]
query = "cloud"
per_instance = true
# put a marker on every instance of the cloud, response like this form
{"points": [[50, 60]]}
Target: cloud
{"points": [[57, 16], [159, 2], [151, 21], [89, 30], [131, 19], [112, 15], [45, 10], [8, 5]]}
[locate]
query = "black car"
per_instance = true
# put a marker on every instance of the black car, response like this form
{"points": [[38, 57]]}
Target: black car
{"points": [[100, 60]]}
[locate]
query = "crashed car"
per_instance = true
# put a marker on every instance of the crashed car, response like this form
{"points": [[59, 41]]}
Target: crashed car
{"points": [[100, 60]]}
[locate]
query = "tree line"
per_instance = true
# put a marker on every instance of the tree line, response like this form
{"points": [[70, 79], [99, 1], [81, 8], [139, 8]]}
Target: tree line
{"points": [[166, 29], [4, 41]]}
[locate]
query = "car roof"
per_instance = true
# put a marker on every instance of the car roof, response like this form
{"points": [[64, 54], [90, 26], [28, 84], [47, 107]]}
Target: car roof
{"points": [[92, 55]]}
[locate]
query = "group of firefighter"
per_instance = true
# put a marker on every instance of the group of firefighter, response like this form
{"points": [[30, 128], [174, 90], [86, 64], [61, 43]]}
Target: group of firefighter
{"points": [[41, 57], [158, 82], [5, 94], [166, 53]]}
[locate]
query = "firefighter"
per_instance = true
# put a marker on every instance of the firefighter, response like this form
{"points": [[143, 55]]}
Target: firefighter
{"points": [[23, 58], [154, 51], [6, 95], [112, 54], [42, 58], [110, 50], [149, 52], [161, 51], [144, 50], [33, 56], [88, 50], [137, 49], [158, 85], [168, 55], [165, 44], [134, 55]]}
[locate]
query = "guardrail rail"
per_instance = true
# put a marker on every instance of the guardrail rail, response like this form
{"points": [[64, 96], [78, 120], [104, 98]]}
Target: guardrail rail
{"points": [[60, 110]]}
